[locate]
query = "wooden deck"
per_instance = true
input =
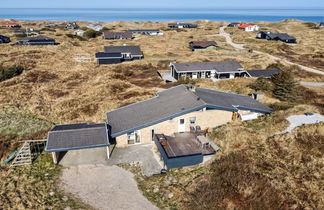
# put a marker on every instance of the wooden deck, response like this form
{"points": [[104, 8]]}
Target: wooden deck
{"points": [[183, 144]]}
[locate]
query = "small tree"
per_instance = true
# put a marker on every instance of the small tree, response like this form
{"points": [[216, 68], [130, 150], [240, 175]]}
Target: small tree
{"points": [[285, 86]]}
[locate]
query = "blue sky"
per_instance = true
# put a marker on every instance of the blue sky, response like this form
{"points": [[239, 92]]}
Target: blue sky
{"points": [[161, 4]]}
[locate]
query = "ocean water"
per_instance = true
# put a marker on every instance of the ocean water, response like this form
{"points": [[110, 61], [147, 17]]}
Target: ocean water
{"points": [[160, 15]]}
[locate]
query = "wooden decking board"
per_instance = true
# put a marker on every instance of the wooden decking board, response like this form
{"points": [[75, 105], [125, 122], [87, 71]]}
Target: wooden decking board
{"points": [[184, 144]]}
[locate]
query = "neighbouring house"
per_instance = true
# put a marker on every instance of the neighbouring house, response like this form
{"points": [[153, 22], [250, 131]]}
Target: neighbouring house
{"points": [[321, 25], [151, 32], [27, 32], [10, 25], [276, 36], [64, 138], [40, 40], [117, 35], [4, 39], [213, 70], [249, 27], [96, 27], [72, 26], [202, 45], [79, 32], [51, 25], [182, 25], [267, 73], [177, 119], [234, 24], [118, 54], [282, 37]]}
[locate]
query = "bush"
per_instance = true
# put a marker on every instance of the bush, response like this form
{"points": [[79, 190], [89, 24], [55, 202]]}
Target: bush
{"points": [[262, 84], [90, 33], [184, 81], [10, 72], [281, 106], [20, 35]]}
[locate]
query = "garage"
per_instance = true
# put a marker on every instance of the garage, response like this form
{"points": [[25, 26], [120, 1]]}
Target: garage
{"points": [[82, 141]]}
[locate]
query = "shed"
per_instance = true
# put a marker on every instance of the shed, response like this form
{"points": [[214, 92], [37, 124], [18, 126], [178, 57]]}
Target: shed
{"points": [[63, 138]]}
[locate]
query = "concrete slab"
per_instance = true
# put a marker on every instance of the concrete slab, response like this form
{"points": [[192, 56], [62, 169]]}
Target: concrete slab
{"points": [[142, 154], [137, 153], [104, 187], [84, 157]]}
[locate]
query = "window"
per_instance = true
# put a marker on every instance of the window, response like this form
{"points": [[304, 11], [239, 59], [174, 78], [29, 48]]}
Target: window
{"points": [[181, 121], [192, 120], [133, 137]]}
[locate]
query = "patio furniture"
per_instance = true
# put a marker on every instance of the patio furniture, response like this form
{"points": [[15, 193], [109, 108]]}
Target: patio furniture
{"points": [[192, 129], [203, 141]]}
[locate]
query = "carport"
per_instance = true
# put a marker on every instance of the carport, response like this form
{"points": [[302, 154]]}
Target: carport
{"points": [[81, 136]]}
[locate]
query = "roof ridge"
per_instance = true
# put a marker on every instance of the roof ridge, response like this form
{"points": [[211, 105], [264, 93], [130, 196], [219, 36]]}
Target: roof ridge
{"points": [[223, 92]]}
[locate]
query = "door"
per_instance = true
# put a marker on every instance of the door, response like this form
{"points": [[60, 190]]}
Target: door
{"points": [[182, 126]]}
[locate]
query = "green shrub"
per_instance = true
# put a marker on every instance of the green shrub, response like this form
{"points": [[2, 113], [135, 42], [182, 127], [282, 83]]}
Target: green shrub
{"points": [[70, 36], [184, 81], [281, 106], [90, 33], [262, 84], [20, 35], [10, 72]]}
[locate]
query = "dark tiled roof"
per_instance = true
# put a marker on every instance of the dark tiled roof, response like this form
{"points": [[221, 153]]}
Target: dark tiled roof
{"points": [[263, 73], [143, 30], [108, 55], [230, 100], [175, 102], [225, 66], [117, 35], [134, 50], [38, 38], [77, 136], [203, 44], [281, 36], [167, 103]]}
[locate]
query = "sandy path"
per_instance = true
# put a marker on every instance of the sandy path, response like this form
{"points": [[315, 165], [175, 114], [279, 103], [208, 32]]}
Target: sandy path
{"points": [[104, 187], [241, 47]]}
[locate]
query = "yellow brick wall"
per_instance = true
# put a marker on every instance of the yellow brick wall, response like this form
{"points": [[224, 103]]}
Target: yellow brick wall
{"points": [[205, 119]]}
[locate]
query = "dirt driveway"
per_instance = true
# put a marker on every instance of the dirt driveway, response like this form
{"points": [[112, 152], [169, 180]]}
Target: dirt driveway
{"points": [[104, 187]]}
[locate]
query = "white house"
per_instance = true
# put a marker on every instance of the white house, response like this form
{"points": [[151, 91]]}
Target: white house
{"points": [[96, 27], [249, 27]]}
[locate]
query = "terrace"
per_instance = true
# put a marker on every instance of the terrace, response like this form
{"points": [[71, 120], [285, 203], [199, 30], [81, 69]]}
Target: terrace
{"points": [[183, 149]]}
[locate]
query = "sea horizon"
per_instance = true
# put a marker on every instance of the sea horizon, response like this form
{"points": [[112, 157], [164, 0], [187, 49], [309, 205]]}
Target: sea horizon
{"points": [[162, 14]]}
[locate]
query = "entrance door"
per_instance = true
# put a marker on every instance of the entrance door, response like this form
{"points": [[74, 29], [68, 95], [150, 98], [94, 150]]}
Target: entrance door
{"points": [[182, 127]]}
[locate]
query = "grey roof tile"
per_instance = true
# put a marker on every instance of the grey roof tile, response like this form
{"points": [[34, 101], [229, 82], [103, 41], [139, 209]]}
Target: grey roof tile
{"points": [[263, 73], [174, 102], [77, 136], [134, 50], [224, 66]]}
